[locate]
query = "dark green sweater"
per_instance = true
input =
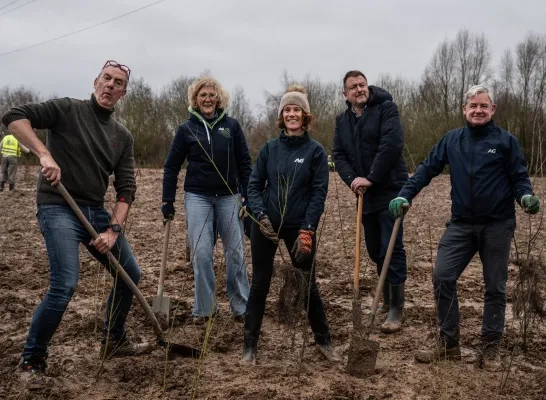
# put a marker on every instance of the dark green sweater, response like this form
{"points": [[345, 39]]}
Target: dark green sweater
{"points": [[88, 144]]}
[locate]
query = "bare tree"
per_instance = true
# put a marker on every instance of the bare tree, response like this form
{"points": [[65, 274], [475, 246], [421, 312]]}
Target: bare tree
{"points": [[240, 110]]}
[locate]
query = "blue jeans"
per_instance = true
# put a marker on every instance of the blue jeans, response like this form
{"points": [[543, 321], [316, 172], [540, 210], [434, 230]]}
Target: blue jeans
{"points": [[378, 230], [457, 246], [63, 233], [201, 212]]}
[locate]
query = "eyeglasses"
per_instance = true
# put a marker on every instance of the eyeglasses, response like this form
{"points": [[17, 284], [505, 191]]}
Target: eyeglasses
{"points": [[124, 68], [211, 96], [359, 86]]}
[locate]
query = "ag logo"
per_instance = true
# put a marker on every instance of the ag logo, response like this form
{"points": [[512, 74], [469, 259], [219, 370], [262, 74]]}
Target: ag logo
{"points": [[493, 151], [224, 132], [299, 160]]}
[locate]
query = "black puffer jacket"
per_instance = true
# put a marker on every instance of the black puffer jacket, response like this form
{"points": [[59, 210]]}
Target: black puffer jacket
{"points": [[372, 148], [295, 169]]}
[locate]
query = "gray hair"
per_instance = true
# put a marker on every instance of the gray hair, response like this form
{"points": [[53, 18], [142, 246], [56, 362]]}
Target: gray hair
{"points": [[476, 90]]}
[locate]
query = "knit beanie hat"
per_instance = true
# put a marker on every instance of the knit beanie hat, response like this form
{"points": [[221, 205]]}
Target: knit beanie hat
{"points": [[295, 94]]}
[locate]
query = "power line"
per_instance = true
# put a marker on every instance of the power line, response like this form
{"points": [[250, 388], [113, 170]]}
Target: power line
{"points": [[16, 8], [9, 4], [79, 30]]}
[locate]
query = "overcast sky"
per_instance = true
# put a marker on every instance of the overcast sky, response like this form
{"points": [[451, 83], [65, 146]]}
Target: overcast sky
{"points": [[244, 42]]}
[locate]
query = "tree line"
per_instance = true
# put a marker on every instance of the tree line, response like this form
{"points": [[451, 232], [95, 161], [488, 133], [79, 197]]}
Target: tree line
{"points": [[428, 107]]}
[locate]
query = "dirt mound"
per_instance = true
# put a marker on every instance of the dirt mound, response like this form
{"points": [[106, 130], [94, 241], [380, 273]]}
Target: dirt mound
{"points": [[76, 372]]}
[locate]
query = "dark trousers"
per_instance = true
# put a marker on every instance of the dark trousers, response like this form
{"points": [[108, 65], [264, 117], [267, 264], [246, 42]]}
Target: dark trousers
{"points": [[458, 245], [263, 253], [378, 229]]}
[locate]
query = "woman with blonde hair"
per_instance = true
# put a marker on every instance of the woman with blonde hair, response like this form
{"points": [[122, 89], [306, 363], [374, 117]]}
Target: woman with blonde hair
{"points": [[219, 164], [291, 174]]}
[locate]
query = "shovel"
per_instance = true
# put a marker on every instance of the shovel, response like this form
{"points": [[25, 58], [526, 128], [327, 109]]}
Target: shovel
{"points": [[180, 349], [356, 288], [362, 350], [161, 304]]}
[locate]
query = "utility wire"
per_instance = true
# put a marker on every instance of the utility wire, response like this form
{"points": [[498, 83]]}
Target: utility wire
{"points": [[9, 4], [16, 8], [79, 30]]}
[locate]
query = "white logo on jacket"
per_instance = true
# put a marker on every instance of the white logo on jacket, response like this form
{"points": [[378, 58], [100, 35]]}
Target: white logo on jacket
{"points": [[299, 160], [492, 151]]}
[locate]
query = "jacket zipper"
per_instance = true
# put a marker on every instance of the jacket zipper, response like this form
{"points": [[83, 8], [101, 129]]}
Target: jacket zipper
{"points": [[472, 173]]}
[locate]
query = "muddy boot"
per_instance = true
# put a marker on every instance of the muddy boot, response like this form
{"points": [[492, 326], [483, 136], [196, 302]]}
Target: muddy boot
{"points": [[442, 350], [11, 187], [250, 349], [32, 372], [396, 307], [489, 354], [383, 308], [2, 186], [329, 352]]}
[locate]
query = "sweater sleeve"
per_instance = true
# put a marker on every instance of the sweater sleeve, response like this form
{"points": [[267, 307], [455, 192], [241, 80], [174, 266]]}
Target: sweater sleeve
{"points": [[517, 171], [41, 115], [343, 165], [124, 173], [319, 189], [391, 143], [428, 169], [242, 156], [256, 183], [176, 157]]}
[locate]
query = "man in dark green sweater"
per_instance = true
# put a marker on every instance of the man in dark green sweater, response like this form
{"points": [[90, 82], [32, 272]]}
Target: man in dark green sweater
{"points": [[84, 146]]}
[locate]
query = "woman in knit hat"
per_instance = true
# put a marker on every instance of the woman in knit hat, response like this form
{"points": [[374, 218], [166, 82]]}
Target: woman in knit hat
{"points": [[286, 192]]}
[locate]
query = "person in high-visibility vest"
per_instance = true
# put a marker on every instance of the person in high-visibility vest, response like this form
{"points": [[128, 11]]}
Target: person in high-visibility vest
{"points": [[10, 148]]}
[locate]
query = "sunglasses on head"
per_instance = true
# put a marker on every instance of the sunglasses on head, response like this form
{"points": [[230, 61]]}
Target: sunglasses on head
{"points": [[124, 68]]}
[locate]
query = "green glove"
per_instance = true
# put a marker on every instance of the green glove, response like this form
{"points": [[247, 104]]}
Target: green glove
{"points": [[396, 206], [530, 204]]}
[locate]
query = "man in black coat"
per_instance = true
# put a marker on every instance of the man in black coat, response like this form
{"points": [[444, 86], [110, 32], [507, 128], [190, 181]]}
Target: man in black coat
{"points": [[368, 154]]}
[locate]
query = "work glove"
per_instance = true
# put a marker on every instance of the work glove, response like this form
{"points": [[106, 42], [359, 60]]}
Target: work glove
{"points": [[303, 245], [396, 206], [530, 204], [242, 212], [267, 229], [168, 210]]}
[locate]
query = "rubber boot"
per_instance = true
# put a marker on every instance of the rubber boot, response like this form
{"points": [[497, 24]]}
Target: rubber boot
{"points": [[11, 186], [396, 307], [250, 349], [383, 308], [2, 186]]}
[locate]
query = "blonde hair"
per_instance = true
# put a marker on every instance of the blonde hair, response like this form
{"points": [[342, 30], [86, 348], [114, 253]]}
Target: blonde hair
{"points": [[307, 116], [222, 99]]}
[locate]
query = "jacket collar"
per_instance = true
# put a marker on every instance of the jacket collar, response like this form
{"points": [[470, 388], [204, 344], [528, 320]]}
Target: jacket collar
{"points": [[211, 122], [294, 140], [480, 130]]}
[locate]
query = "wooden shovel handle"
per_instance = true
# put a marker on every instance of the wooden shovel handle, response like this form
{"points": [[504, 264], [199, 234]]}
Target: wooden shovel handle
{"points": [[113, 262], [357, 244], [385, 267], [164, 257]]}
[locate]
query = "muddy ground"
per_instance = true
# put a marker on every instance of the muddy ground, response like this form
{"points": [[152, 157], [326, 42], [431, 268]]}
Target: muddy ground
{"points": [[76, 372]]}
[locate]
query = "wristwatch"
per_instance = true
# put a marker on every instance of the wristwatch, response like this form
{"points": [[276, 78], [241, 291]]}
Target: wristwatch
{"points": [[116, 228]]}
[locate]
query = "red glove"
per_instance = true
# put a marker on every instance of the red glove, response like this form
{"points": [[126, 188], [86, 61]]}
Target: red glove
{"points": [[303, 245]]}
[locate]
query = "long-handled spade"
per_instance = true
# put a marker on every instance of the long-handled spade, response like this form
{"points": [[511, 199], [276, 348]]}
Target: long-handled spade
{"points": [[362, 350], [180, 349], [356, 287], [161, 304]]}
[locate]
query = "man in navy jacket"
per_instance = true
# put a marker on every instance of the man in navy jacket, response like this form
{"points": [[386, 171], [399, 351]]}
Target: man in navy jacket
{"points": [[368, 154], [487, 172]]}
